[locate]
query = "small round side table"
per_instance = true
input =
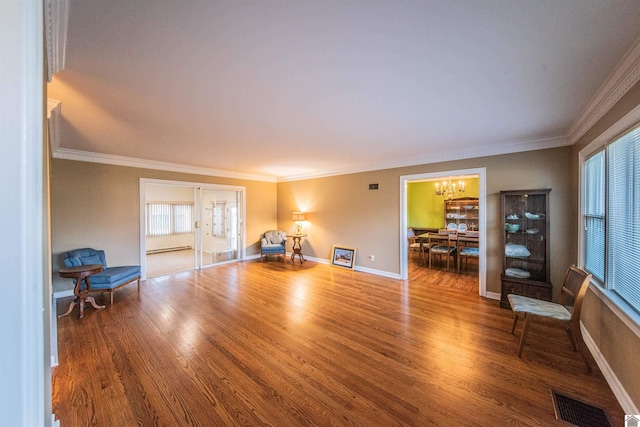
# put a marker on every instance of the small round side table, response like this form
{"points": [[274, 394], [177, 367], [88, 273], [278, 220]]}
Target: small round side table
{"points": [[297, 247], [80, 273]]}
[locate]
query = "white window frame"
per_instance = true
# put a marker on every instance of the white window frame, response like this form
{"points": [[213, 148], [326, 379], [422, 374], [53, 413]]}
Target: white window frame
{"points": [[629, 316]]}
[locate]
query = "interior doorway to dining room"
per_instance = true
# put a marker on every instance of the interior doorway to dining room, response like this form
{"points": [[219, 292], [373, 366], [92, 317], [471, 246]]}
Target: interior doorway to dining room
{"points": [[186, 226], [423, 208]]}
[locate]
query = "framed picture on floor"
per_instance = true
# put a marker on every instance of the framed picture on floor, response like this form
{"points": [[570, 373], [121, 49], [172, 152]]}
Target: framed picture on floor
{"points": [[342, 256]]}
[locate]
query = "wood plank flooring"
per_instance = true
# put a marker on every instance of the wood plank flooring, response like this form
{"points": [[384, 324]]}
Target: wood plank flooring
{"points": [[277, 344]]}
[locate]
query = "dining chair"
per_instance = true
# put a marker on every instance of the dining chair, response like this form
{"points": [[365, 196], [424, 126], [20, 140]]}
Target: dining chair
{"points": [[566, 312], [414, 244], [443, 244], [468, 247]]}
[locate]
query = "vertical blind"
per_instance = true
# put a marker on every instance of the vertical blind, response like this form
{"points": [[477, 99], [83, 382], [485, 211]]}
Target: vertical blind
{"points": [[165, 219], [611, 201]]}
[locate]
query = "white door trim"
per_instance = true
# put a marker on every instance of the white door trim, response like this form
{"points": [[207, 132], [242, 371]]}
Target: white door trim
{"points": [[482, 222], [197, 185]]}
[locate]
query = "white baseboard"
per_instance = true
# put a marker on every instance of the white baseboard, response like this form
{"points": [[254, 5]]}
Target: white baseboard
{"points": [[54, 334], [492, 295], [618, 390], [63, 294], [377, 272]]}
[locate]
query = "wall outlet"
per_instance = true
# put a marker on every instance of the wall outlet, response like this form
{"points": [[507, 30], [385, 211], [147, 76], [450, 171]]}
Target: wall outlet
{"points": [[372, 258]]}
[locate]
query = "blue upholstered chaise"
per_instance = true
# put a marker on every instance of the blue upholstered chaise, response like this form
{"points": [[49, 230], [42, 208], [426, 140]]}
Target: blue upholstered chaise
{"points": [[273, 243], [111, 278]]}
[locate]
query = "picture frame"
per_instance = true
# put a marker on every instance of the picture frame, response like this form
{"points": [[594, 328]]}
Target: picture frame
{"points": [[343, 257]]}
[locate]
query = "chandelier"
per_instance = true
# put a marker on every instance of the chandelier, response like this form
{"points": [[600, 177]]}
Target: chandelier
{"points": [[449, 190]]}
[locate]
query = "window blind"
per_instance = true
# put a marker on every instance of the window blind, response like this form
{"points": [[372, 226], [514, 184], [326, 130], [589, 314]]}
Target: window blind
{"points": [[623, 217], [165, 218], [594, 215]]}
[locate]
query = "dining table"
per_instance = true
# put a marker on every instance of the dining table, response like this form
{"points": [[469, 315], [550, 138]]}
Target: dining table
{"points": [[423, 239]]}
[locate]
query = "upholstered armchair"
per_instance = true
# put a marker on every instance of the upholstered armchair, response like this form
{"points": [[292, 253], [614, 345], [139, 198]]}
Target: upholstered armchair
{"points": [[110, 278], [273, 243]]}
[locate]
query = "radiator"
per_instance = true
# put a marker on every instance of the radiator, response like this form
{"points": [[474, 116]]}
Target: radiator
{"points": [[177, 248]]}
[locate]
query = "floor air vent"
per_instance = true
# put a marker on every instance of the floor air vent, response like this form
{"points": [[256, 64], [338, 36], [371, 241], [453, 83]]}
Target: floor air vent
{"points": [[578, 413]]}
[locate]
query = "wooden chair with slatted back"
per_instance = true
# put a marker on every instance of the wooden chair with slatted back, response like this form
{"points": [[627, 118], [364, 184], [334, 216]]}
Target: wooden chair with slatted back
{"points": [[575, 285], [443, 244], [468, 246], [413, 244]]}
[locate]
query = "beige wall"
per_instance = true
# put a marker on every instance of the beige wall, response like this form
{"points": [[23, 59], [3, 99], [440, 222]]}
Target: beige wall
{"points": [[96, 205], [619, 345], [342, 210]]}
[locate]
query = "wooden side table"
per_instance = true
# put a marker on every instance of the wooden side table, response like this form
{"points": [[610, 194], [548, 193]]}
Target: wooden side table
{"points": [[81, 273], [297, 247]]}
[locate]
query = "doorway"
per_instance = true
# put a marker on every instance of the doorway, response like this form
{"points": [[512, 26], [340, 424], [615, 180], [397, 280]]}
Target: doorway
{"points": [[186, 226], [480, 174]]}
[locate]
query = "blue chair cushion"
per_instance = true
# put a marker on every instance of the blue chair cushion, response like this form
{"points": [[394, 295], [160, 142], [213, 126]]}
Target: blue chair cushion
{"points": [[113, 277], [440, 249], [92, 259], [84, 256], [110, 277], [273, 248], [470, 251]]}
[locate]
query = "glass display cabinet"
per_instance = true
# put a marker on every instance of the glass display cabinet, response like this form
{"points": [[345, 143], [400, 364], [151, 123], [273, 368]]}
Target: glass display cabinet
{"points": [[525, 244]]}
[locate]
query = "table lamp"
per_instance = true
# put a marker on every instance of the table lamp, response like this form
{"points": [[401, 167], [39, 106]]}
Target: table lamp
{"points": [[298, 217]]}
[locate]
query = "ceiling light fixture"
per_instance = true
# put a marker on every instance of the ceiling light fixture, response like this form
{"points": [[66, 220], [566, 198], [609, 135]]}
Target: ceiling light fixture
{"points": [[449, 190]]}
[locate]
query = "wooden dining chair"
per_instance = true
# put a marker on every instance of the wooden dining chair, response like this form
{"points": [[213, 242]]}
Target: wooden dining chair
{"points": [[566, 312], [443, 244], [468, 246], [414, 244]]}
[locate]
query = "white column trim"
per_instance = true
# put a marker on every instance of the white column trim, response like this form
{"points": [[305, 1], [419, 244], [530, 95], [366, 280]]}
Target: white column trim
{"points": [[56, 24]]}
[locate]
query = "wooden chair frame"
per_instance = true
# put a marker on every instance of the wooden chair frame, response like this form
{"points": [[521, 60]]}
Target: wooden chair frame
{"points": [[575, 285], [438, 240], [471, 239]]}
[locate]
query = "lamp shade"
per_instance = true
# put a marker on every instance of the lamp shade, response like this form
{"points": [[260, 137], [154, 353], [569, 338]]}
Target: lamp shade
{"points": [[298, 216]]}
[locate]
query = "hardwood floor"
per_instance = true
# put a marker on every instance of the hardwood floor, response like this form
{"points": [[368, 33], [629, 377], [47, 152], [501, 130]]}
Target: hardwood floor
{"points": [[273, 343]]}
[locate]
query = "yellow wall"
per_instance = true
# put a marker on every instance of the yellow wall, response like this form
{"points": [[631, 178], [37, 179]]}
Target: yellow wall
{"points": [[425, 209]]}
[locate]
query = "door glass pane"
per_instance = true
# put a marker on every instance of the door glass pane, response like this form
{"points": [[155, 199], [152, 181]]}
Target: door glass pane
{"points": [[219, 226]]}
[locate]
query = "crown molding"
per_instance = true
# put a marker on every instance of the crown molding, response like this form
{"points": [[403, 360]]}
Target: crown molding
{"points": [[54, 108], [86, 156], [489, 150], [483, 151], [624, 76], [56, 20]]}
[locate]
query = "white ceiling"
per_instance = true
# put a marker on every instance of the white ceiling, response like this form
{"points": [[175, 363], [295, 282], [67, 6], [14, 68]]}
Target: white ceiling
{"points": [[293, 89]]}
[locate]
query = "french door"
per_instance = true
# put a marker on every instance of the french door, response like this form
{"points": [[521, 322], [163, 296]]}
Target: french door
{"points": [[215, 235], [218, 230]]}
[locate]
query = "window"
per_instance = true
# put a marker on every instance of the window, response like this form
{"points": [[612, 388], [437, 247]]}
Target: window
{"points": [[611, 215], [165, 219], [594, 215]]}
